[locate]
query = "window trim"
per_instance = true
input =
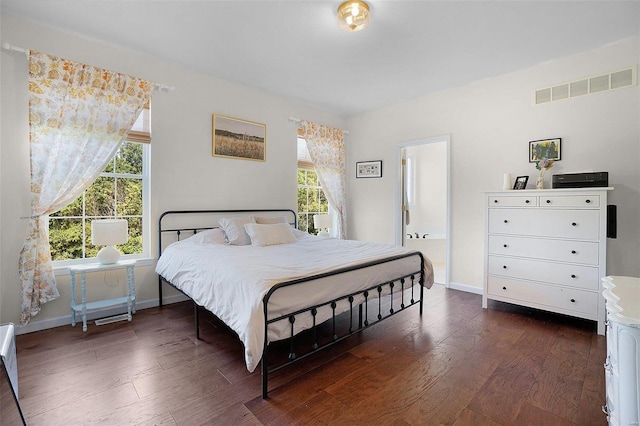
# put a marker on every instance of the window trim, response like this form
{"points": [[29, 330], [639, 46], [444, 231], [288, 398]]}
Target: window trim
{"points": [[61, 267]]}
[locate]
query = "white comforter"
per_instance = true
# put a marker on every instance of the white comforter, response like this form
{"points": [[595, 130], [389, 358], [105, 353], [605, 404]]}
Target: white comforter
{"points": [[231, 281]]}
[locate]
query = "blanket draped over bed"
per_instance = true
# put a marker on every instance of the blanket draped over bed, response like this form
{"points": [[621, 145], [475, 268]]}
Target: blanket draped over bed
{"points": [[231, 281]]}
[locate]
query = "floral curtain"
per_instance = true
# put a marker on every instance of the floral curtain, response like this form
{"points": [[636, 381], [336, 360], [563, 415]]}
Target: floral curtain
{"points": [[78, 117], [327, 151]]}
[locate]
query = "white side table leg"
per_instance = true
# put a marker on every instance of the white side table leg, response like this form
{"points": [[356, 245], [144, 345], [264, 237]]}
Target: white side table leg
{"points": [[72, 280], [83, 280], [131, 279], [129, 293]]}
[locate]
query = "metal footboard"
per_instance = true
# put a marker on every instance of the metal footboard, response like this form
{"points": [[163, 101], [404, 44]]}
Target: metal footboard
{"points": [[376, 295]]}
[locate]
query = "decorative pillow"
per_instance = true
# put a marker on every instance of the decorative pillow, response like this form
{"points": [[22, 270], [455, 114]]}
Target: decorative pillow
{"points": [[234, 230], [269, 220], [209, 236], [269, 235]]}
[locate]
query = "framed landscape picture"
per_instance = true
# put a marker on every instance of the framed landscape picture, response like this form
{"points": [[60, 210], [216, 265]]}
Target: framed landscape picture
{"points": [[237, 138]]}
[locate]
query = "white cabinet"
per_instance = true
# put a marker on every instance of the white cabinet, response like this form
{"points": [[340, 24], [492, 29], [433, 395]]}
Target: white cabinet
{"points": [[546, 249], [622, 367]]}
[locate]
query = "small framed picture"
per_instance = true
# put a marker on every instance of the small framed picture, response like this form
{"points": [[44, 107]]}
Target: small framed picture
{"points": [[545, 148], [521, 182], [369, 169]]}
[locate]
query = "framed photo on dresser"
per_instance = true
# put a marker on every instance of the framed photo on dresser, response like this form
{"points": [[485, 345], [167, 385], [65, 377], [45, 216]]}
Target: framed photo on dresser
{"points": [[521, 182]]}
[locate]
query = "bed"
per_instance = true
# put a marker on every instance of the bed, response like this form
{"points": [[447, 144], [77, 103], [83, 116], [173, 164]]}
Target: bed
{"points": [[269, 282]]}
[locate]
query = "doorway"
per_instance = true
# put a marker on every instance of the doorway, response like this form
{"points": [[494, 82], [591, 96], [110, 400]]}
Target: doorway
{"points": [[422, 201]]}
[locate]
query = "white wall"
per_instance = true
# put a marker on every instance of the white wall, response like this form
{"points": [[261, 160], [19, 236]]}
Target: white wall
{"points": [[183, 172], [490, 123]]}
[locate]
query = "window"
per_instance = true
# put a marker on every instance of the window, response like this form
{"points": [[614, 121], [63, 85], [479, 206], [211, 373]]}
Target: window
{"points": [[120, 191], [311, 197]]}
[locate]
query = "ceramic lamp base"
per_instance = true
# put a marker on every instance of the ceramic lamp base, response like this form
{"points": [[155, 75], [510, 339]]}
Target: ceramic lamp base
{"points": [[108, 255]]}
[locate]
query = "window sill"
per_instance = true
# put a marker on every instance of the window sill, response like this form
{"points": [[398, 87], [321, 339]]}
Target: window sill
{"points": [[62, 270]]}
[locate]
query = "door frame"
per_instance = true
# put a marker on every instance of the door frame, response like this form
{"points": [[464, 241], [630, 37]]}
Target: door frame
{"points": [[399, 196]]}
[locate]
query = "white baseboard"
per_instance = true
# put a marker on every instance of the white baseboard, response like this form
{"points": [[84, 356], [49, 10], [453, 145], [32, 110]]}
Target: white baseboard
{"points": [[465, 287], [98, 313]]}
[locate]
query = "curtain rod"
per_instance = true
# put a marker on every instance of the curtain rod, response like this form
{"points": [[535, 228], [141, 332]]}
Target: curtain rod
{"points": [[11, 48], [297, 121]]}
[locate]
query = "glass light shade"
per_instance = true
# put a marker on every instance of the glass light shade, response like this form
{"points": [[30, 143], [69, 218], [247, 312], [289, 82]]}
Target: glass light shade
{"points": [[353, 15], [109, 232]]}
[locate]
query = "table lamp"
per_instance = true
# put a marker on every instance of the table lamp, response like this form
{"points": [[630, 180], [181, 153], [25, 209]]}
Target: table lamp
{"points": [[323, 222], [108, 233]]}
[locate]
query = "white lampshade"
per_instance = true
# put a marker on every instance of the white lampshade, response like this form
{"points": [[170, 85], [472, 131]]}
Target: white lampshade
{"points": [[322, 221], [109, 232]]}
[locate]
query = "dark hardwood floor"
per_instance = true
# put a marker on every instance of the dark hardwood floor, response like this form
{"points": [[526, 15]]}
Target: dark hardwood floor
{"points": [[455, 364]]}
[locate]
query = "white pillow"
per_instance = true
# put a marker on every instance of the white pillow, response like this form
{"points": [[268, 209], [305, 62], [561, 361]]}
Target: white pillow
{"points": [[209, 236], [269, 235], [234, 230], [264, 220]]}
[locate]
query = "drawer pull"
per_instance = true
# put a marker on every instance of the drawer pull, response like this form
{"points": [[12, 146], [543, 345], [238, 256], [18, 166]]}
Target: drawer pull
{"points": [[506, 221], [588, 201], [505, 246], [573, 252], [548, 201], [504, 266], [495, 201], [574, 224], [527, 201], [573, 300], [504, 288], [573, 276]]}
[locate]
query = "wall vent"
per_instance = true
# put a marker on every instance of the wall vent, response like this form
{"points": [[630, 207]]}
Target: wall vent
{"points": [[626, 77]]}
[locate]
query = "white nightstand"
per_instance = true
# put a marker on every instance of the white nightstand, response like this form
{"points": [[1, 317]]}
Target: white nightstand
{"points": [[83, 306]]}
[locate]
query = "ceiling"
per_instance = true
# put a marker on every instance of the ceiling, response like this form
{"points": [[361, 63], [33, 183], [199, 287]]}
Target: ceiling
{"points": [[295, 49]]}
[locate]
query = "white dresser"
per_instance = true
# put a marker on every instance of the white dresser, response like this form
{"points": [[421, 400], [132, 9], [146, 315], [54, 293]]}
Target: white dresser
{"points": [[547, 249], [622, 368]]}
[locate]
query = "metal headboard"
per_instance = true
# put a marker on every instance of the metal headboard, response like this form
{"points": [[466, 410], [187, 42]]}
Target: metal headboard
{"points": [[177, 222]]}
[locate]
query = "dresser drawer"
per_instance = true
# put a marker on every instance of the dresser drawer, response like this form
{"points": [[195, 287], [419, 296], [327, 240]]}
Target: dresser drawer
{"points": [[581, 252], [546, 296], [518, 201], [586, 201], [583, 277], [573, 224]]}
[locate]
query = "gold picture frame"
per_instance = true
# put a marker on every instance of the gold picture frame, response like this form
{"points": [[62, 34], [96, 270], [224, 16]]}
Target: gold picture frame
{"points": [[237, 138]]}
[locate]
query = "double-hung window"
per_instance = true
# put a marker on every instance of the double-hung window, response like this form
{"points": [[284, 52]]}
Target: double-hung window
{"points": [[121, 190], [311, 197]]}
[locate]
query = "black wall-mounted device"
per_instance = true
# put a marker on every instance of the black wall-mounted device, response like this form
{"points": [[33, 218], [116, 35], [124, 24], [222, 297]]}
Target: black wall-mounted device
{"points": [[612, 221]]}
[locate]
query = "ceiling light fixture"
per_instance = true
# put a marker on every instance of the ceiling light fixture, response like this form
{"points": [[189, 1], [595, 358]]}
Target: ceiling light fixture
{"points": [[353, 15]]}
